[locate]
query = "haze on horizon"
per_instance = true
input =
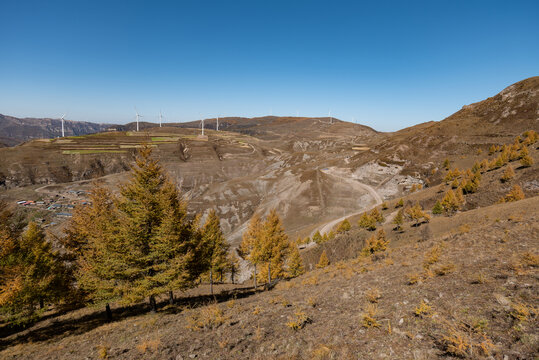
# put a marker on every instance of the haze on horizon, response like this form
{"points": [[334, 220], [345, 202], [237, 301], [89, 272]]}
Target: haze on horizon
{"points": [[388, 65]]}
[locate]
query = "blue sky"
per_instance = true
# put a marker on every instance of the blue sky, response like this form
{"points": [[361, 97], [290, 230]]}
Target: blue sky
{"points": [[386, 64]]}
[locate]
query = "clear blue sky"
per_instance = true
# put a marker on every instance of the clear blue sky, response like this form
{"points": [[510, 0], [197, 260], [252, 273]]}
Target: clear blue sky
{"points": [[388, 64]]}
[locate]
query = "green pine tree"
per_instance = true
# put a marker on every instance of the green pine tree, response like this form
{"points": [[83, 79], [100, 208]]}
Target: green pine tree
{"points": [[438, 208]]}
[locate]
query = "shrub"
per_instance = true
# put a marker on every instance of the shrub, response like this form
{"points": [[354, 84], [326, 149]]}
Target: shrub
{"points": [[399, 203], [375, 244], [423, 309], [399, 220], [438, 208], [384, 206], [343, 226], [450, 202], [377, 215], [515, 194], [508, 174], [317, 237], [526, 161], [373, 295], [417, 214], [298, 321], [368, 318], [208, 317], [366, 221], [324, 261]]}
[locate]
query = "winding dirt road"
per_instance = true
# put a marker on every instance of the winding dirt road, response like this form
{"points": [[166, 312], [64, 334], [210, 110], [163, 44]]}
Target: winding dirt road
{"points": [[377, 201]]}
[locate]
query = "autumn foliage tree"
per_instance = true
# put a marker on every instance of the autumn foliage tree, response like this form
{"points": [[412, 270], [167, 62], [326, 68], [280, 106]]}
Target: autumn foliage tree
{"points": [[417, 214], [250, 248], [267, 245], [295, 263], [135, 245], [215, 246], [274, 247], [32, 273], [323, 261]]}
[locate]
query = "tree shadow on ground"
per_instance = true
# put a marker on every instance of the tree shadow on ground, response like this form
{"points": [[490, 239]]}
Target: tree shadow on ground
{"points": [[77, 325]]}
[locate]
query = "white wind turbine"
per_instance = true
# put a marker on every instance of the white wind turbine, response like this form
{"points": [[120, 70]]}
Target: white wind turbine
{"points": [[330, 117], [217, 126], [160, 118], [63, 131], [138, 116], [202, 124]]}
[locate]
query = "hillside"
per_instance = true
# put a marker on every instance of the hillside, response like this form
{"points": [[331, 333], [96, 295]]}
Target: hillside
{"points": [[475, 127], [16, 130], [466, 288], [460, 282]]}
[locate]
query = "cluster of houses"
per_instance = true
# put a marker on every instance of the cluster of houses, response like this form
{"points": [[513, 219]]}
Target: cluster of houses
{"points": [[61, 208]]}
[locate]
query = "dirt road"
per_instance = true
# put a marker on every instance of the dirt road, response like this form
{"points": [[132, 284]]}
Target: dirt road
{"points": [[377, 201]]}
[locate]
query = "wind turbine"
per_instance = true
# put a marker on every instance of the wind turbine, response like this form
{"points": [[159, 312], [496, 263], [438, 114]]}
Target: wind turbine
{"points": [[138, 116], [217, 126], [202, 124], [63, 132], [330, 117], [160, 118]]}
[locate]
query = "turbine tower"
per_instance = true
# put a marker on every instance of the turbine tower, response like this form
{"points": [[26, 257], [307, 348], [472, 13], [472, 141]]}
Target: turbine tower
{"points": [[63, 132], [202, 124], [138, 116], [330, 117], [160, 118]]}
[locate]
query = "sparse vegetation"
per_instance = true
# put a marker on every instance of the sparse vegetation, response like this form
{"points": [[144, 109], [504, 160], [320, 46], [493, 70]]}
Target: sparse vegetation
{"points": [[515, 194], [324, 261]]}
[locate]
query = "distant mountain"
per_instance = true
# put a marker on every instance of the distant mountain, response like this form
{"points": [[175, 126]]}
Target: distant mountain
{"points": [[14, 130]]}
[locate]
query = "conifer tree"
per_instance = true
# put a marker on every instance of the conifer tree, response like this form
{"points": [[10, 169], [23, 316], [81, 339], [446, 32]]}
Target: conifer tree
{"points": [[377, 215], [438, 208], [399, 203], [274, 246], [140, 244], [399, 220], [32, 273], [460, 196], [323, 261], [250, 245], [368, 222], [446, 163], [515, 194], [417, 214], [317, 237], [343, 226], [450, 202], [215, 245], [526, 161], [508, 174], [376, 243], [91, 241], [295, 263], [233, 266]]}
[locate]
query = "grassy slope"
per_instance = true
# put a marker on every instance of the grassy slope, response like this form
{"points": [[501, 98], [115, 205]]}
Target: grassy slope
{"points": [[493, 278]]}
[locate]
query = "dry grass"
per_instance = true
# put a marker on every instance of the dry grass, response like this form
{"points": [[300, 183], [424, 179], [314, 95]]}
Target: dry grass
{"points": [[148, 344], [323, 352], [298, 321], [368, 318], [423, 309], [103, 351], [207, 317], [373, 295]]}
